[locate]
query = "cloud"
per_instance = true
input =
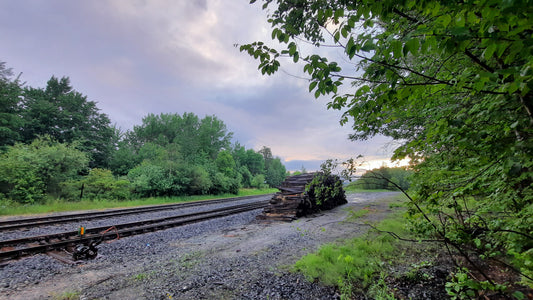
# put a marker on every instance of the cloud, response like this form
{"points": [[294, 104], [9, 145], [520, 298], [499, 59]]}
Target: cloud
{"points": [[141, 57]]}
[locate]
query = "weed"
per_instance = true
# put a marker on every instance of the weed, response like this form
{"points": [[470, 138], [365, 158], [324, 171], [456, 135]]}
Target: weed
{"points": [[356, 214], [68, 295], [396, 204], [140, 276], [188, 260], [355, 263], [462, 286], [380, 290], [302, 232]]}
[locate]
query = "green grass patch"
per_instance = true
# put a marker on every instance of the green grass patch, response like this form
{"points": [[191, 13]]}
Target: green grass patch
{"points": [[356, 214], [68, 295], [9, 208], [354, 187], [357, 264]]}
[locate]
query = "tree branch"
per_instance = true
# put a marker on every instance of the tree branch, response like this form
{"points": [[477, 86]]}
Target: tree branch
{"points": [[478, 61]]}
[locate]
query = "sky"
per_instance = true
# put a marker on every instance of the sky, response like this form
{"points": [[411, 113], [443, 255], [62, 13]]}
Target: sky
{"points": [[136, 57]]}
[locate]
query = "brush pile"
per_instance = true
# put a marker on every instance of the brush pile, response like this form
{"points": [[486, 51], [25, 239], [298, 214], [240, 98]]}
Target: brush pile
{"points": [[304, 194]]}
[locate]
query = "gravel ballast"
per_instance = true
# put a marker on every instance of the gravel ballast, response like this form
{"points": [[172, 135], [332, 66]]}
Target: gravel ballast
{"points": [[234, 257]]}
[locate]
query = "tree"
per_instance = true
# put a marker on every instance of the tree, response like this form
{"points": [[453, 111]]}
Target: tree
{"points": [[225, 163], [255, 162], [453, 82], [10, 121], [385, 178], [267, 156], [123, 159], [194, 137], [213, 136], [275, 173], [67, 116]]}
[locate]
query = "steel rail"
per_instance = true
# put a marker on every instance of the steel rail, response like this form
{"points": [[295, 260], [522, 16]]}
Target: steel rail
{"points": [[66, 218], [69, 239]]}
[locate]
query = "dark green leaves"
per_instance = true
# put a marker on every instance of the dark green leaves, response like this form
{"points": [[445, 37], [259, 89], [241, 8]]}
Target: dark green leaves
{"points": [[451, 81]]}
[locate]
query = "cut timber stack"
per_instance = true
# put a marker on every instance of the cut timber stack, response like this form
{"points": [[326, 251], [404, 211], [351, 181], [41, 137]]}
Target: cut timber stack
{"points": [[293, 202]]}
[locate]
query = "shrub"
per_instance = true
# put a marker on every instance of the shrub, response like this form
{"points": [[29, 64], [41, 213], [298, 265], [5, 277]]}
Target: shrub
{"points": [[28, 172], [98, 184]]}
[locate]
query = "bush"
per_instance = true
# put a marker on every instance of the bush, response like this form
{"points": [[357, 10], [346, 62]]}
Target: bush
{"points": [[223, 184], [258, 181], [200, 182], [149, 180], [31, 171], [99, 184]]}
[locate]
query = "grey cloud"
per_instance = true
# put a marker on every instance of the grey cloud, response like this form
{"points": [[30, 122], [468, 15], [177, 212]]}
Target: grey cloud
{"points": [[142, 57]]}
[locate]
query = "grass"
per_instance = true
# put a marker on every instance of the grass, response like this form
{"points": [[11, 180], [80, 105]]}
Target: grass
{"points": [[10, 208], [354, 187], [358, 264], [356, 214], [68, 295]]}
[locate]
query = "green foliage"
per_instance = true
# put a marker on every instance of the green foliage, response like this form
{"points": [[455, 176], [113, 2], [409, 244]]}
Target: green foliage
{"points": [[452, 82], [275, 172], [67, 116], [383, 178], [462, 286], [67, 295], [150, 180], [98, 184], [225, 164], [354, 264], [189, 134], [325, 189], [254, 161], [10, 120], [224, 184], [28, 172], [201, 182], [167, 155], [259, 181], [246, 176]]}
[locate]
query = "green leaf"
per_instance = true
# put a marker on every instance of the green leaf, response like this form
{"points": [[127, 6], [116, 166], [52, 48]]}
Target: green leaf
{"points": [[339, 13], [397, 48], [275, 33], [312, 85], [444, 20], [412, 46], [489, 51], [296, 57]]}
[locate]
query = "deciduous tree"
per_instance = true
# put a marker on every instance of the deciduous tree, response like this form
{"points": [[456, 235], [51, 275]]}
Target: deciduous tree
{"points": [[451, 80], [67, 116]]}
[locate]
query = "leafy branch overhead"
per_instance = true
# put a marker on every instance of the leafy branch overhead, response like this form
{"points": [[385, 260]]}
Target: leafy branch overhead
{"points": [[452, 82]]}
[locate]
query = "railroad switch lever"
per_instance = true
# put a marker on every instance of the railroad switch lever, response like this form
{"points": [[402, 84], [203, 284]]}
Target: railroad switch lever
{"points": [[89, 251]]}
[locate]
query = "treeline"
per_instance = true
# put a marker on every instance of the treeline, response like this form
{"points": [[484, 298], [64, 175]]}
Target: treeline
{"points": [[385, 178], [54, 142]]}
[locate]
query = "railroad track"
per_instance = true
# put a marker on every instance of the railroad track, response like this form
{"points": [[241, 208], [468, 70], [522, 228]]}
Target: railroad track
{"points": [[16, 248], [67, 218]]}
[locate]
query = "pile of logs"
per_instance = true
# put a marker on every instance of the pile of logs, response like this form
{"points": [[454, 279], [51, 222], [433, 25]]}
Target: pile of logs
{"points": [[293, 201]]}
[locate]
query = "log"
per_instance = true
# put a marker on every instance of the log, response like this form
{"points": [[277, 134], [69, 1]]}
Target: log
{"points": [[293, 201]]}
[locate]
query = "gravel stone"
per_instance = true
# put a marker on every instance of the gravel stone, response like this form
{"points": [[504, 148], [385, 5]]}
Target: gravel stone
{"points": [[234, 257]]}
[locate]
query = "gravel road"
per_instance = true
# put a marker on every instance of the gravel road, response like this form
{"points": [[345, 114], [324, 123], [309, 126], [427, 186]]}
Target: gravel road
{"points": [[234, 257]]}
